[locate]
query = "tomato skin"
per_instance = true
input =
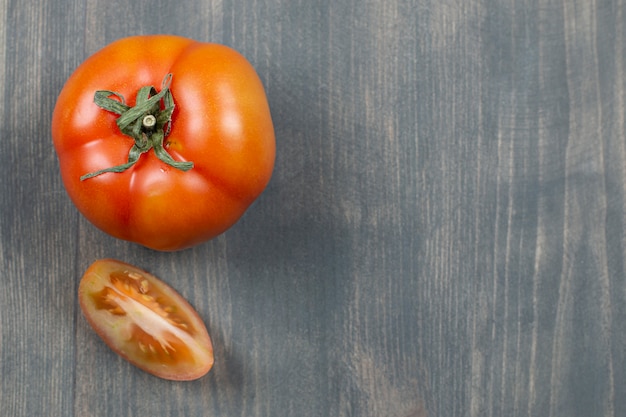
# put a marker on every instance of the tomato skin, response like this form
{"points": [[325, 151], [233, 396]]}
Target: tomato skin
{"points": [[221, 123], [145, 321]]}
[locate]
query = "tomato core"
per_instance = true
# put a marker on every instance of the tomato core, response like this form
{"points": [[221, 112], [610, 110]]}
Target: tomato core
{"points": [[130, 293]]}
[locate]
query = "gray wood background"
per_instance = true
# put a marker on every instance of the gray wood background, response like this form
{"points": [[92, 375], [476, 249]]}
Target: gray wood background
{"points": [[444, 233]]}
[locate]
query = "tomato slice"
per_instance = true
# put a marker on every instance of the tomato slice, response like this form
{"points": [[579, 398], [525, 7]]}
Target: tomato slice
{"points": [[145, 321]]}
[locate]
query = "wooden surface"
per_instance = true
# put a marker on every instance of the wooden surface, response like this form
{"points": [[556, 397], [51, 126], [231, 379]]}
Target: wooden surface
{"points": [[444, 233]]}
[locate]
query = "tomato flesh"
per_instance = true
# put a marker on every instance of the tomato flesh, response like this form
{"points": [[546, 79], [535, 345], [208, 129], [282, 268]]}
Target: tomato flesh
{"points": [[145, 321]]}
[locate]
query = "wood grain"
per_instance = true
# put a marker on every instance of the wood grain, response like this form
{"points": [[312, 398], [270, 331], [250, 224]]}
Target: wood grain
{"points": [[443, 234]]}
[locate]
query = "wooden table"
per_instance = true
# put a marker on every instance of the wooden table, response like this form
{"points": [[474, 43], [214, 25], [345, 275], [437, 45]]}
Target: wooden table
{"points": [[443, 235]]}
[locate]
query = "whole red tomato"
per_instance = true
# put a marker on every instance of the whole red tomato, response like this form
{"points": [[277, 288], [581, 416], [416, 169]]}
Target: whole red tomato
{"points": [[163, 140]]}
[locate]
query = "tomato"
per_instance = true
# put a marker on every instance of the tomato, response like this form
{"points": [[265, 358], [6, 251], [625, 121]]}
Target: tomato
{"points": [[163, 140], [145, 321]]}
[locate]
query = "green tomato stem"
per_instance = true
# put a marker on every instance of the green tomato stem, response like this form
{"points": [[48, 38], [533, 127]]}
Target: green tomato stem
{"points": [[148, 123]]}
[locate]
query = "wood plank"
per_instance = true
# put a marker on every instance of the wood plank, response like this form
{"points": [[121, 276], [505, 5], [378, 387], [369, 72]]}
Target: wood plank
{"points": [[443, 234]]}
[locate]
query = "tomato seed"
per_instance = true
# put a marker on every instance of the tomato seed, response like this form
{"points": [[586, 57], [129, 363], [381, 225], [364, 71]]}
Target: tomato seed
{"points": [[133, 275]]}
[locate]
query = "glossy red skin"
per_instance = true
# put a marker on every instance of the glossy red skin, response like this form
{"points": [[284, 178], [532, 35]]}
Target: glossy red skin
{"points": [[115, 330], [222, 123]]}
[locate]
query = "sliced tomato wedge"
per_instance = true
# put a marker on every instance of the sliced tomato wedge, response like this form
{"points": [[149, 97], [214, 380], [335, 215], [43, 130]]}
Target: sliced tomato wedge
{"points": [[145, 321]]}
